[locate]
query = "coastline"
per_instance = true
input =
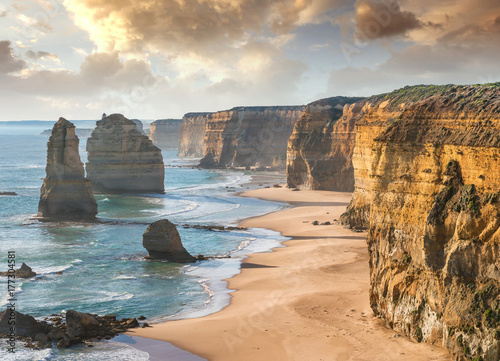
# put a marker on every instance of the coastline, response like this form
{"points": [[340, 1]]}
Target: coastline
{"points": [[306, 301]]}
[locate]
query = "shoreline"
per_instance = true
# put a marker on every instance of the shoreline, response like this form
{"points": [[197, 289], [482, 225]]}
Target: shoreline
{"points": [[307, 300]]}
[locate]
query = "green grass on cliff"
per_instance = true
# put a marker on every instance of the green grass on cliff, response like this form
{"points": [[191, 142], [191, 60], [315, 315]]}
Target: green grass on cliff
{"points": [[416, 93]]}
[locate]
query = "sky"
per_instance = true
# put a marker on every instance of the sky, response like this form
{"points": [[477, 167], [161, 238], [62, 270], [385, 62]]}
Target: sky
{"points": [[153, 59]]}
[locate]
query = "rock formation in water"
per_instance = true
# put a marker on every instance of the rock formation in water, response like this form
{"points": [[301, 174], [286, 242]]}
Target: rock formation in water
{"points": [[139, 125], [249, 136], [122, 160], [24, 271], [319, 154], [165, 133], [162, 241], [428, 188], [66, 194], [192, 135]]}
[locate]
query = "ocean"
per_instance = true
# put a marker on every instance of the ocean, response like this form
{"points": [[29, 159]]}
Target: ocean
{"points": [[100, 267]]}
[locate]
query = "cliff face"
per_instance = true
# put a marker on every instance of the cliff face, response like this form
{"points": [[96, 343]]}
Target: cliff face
{"points": [[249, 136], [319, 154], [192, 135], [65, 193], [122, 160], [431, 180], [164, 133]]}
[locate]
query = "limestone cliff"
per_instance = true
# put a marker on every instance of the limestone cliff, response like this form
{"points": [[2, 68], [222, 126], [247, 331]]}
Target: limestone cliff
{"points": [[431, 179], [192, 135], [122, 160], [66, 193], [249, 136], [164, 133], [319, 154]]}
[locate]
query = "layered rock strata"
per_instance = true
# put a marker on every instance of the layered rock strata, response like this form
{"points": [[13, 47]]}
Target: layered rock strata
{"points": [[162, 241], [319, 154], [192, 135], [249, 136], [122, 160], [431, 179], [65, 194], [164, 133]]}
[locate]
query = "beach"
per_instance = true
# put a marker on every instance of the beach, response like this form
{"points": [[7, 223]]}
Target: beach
{"points": [[306, 301]]}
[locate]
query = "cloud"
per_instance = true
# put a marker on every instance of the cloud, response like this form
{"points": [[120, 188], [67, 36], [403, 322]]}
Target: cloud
{"points": [[42, 55], [8, 64], [419, 64], [382, 19]]}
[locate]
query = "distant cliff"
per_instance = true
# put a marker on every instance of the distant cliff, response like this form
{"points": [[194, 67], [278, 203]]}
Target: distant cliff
{"points": [[192, 135], [249, 136], [165, 133], [319, 154], [122, 160], [65, 194], [427, 187], [82, 133]]}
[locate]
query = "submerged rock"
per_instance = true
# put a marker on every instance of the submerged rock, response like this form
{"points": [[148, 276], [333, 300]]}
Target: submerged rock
{"points": [[65, 194], [8, 194], [122, 160], [162, 241]]}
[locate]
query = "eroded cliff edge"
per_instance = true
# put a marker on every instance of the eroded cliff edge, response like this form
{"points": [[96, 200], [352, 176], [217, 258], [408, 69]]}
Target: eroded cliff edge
{"points": [[319, 153], [164, 133], [249, 136], [65, 194], [427, 167], [122, 160], [192, 135]]}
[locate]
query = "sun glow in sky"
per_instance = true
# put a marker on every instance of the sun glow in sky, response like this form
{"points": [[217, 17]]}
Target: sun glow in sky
{"points": [[152, 59]]}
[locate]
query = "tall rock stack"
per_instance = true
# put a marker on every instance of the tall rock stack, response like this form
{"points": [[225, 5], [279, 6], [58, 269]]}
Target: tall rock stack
{"points": [[192, 135], [122, 160], [66, 194], [164, 133], [249, 136]]}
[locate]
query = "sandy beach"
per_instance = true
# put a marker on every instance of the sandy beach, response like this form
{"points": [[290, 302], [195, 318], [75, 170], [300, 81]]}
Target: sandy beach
{"points": [[306, 301]]}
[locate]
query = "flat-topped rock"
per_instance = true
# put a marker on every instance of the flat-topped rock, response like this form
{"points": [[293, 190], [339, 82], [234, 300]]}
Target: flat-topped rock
{"points": [[122, 160], [162, 241], [192, 135], [65, 194], [164, 133]]}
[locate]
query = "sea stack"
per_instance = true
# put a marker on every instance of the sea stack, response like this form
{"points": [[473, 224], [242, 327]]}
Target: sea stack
{"points": [[66, 194], [122, 160], [162, 241]]}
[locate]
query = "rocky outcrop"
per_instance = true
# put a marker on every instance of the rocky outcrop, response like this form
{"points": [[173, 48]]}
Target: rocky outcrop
{"points": [[24, 271], [429, 177], [65, 194], [192, 135], [319, 154], [122, 160], [162, 241], [249, 136], [164, 133], [78, 327]]}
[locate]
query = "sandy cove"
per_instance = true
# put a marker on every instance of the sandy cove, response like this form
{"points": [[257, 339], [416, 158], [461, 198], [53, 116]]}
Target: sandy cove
{"points": [[306, 301]]}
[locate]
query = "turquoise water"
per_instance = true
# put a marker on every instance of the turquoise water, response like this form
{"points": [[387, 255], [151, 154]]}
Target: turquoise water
{"points": [[100, 268]]}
